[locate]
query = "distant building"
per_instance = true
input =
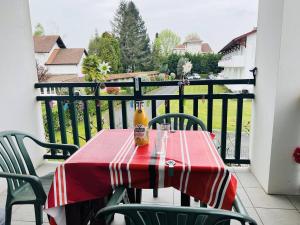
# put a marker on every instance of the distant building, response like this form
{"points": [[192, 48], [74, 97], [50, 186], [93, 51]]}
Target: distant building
{"points": [[238, 57], [193, 45], [51, 52]]}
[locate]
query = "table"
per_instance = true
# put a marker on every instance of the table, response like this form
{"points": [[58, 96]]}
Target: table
{"points": [[111, 159]]}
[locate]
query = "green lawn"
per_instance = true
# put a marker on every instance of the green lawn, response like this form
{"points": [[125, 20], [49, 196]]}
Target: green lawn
{"points": [[217, 108]]}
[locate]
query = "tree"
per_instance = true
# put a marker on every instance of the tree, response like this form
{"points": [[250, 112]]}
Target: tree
{"points": [[180, 64], [157, 58], [39, 30], [107, 49], [129, 28], [168, 41]]}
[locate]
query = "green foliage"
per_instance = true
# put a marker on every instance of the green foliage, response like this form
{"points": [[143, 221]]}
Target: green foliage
{"points": [[202, 63], [180, 64], [90, 68], [39, 30], [157, 56], [129, 28], [167, 40], [107, 49]]}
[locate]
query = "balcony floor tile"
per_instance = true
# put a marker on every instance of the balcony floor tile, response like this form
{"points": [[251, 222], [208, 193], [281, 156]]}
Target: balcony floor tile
{"points": [[279, 216], [260, 199]]}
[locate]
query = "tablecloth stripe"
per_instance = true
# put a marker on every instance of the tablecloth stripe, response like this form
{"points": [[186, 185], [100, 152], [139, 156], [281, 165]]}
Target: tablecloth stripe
{"points": [[128, 167], [112, 164], [183, 162], [188, 162]]}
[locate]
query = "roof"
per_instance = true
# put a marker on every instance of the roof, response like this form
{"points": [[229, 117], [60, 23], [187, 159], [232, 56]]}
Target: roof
{"points": [[44, 44], [66, 56], [74, 78], [180, 46], [237, 41], [205, 47]]}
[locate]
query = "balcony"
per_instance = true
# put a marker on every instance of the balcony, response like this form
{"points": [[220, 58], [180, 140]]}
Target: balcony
{"points": [[232, 61], [268, 176]]}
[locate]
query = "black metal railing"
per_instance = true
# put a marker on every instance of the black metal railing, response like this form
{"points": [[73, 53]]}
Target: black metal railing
{"points": [[68, 93]]}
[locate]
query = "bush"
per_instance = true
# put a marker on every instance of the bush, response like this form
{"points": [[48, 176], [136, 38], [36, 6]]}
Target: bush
{"points": [[202, 63]]}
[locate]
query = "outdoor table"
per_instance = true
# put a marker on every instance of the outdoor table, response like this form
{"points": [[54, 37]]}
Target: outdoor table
{"points": [[111, 159]]}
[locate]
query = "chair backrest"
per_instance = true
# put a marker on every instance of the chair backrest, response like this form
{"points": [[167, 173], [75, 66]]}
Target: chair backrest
{"points": [[168, 215], [14, 157], [178, 121]]}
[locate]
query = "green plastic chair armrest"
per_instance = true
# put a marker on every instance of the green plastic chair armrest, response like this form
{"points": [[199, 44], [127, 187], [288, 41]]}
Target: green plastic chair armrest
{"points": [[34, 181], [68, 147]]}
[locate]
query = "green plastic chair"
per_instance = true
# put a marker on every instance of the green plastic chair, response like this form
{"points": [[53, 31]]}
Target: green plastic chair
{"points": [[24, 186], [178, 121], [170, 215]]}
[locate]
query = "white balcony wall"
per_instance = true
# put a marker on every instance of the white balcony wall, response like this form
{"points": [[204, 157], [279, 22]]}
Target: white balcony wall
{"points": [[276, 112], [20, 110]]}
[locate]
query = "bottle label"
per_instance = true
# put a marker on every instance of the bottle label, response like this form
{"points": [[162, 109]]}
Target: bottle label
{"points": [[140, 131]]}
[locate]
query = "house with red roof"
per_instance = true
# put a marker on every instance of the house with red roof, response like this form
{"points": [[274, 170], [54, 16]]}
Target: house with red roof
{"points": [[52, 53], [193, 45]]}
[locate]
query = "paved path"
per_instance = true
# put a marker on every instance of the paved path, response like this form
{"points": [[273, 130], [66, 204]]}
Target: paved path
{"points": [[130, 107]]}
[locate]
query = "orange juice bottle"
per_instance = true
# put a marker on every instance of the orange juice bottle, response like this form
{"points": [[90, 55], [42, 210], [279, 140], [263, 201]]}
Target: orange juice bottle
{"points": [[140, 123]]}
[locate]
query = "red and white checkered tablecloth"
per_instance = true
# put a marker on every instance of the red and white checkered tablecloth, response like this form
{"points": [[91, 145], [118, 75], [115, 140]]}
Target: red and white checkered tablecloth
{"points": [[111, 159]]}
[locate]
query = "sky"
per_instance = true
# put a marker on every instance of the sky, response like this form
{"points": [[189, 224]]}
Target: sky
{"points": [[215, 21]]}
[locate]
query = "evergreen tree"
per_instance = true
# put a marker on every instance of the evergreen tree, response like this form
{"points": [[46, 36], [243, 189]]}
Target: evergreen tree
{"points": [[130, 29], [157, 57]]}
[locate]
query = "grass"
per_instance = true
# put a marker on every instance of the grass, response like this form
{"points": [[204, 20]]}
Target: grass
{"points": [[217, 108]]}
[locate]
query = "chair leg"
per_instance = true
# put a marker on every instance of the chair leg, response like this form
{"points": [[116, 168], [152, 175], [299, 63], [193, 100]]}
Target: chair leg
{"points": [[138, 195], [38, 214], [185, 200], [8, 210], [155, 193], [203, 205]]}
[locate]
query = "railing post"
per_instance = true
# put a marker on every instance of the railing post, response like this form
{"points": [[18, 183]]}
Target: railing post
{"points": [[224, 128], [181, 94], [50, 124], [73, 115], [62, 123], [238, 134], [137, 89], [98, 109], [210, 107]]}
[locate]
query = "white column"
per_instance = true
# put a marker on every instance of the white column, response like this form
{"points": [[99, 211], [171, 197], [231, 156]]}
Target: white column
{"points": [[276, 114], [19, 110]]}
